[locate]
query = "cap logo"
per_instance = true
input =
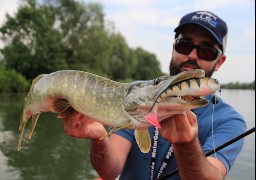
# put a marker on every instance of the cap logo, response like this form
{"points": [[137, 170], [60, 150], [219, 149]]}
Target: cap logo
{"points": [[205, 16]]}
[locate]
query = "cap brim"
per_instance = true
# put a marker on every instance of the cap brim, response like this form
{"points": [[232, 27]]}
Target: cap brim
{"points": [[178, 29]]}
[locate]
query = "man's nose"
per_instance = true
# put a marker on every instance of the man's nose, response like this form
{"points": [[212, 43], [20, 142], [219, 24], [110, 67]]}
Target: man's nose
{"points": [[193, 54]]}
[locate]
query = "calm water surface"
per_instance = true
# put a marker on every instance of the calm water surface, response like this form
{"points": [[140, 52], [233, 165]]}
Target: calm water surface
{"points": [[244, 102], [52, 154]]}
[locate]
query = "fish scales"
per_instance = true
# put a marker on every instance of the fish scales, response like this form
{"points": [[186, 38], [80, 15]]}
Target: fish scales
{"points": [[90, 94], [120, 105]]}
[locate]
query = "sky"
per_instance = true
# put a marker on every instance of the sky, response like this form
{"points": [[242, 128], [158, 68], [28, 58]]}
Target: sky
{"points": [[150, 23]]}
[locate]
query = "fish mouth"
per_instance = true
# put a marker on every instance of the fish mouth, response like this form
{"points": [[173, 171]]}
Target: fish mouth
{"points": [[170, 94], [192, 100], [179, 78], [187, 87], [185, 92]]}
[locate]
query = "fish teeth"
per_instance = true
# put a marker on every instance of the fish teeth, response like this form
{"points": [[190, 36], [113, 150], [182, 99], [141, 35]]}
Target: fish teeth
{"points": [[180, 97]]}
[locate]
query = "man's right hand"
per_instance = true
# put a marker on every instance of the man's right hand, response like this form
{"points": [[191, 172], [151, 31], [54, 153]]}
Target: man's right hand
{"points": [[109, 152], [80, 126]]}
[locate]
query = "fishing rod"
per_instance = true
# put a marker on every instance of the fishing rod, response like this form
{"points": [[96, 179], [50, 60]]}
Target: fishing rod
{"points": [[216, 149]]}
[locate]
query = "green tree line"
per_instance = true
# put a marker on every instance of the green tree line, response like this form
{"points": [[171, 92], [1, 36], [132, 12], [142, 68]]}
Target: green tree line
{"points": [[238, 85], [49, 35]]}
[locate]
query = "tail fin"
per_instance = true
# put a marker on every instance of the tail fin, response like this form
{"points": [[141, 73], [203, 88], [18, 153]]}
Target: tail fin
{"points": [[23, 121], [33, 124], [26, 114]]}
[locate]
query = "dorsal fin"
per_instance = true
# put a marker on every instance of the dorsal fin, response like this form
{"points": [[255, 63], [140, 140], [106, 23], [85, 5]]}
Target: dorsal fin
{"points": [[36, 79]]}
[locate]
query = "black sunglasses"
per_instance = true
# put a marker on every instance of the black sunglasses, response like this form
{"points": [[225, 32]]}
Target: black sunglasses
{"points": [[204, 52]]}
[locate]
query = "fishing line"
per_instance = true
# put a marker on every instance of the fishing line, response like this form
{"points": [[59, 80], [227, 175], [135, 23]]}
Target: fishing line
{"points": [[246, 133], [214, 101]]}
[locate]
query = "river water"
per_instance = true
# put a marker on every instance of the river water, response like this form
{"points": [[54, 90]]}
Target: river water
{"points": [[53, 155]]}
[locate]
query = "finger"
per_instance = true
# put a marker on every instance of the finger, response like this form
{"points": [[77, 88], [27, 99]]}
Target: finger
{"points": [[181, 122], [73, 121], [169, 125], [169, 129], [65, 124], [192, 118], [78, 126], [81, 116]]}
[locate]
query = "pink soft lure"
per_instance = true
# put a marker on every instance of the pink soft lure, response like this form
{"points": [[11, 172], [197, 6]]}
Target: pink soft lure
{"points": [[152, 118]]}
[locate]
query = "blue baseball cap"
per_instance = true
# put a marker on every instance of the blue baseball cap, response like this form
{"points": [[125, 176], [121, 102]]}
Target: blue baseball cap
{"points": [[209, 21]]}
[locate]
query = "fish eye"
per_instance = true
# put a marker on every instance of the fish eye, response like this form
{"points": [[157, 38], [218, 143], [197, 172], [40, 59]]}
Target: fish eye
{"points": [[156, 81]]}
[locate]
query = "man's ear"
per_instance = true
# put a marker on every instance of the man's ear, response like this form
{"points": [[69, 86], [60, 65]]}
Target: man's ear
{"points": [[221, 60]]}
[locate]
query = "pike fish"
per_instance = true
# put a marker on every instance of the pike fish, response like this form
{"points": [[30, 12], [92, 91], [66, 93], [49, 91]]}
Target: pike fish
{"points": [[136, 105]]}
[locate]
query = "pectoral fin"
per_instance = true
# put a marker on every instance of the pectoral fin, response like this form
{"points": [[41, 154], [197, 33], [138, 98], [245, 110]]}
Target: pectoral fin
{"points": [[67, 112], [115, 129], [143, 139], [63, 107], [59, 105]]}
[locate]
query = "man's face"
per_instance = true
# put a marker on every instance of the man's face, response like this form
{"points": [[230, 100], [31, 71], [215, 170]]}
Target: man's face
{"points": [[185, 62]]}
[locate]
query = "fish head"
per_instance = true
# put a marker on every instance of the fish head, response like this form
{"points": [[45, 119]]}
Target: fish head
{"points": [[168, 95]]}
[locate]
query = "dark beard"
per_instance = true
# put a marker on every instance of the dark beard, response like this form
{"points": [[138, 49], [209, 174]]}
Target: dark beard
{"points": [[175, 69]]}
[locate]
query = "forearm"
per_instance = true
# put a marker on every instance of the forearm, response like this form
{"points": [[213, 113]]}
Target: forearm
{"points": [[192, 162], [104, 159]]}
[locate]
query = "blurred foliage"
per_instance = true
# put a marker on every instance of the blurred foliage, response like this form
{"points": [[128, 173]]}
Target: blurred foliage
{"points": [[49, 35], [32, 44], [148, 67], [238, 85], [12, 81]]}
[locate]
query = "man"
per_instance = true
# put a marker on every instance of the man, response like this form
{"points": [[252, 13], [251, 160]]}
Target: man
{"points": [[200, 43]]}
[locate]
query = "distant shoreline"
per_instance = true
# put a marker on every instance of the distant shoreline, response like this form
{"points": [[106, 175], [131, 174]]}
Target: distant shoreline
{"points": [[238, 85]]}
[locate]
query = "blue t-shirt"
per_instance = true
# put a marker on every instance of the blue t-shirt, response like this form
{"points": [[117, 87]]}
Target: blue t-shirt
{"points": [[227, 124]]}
